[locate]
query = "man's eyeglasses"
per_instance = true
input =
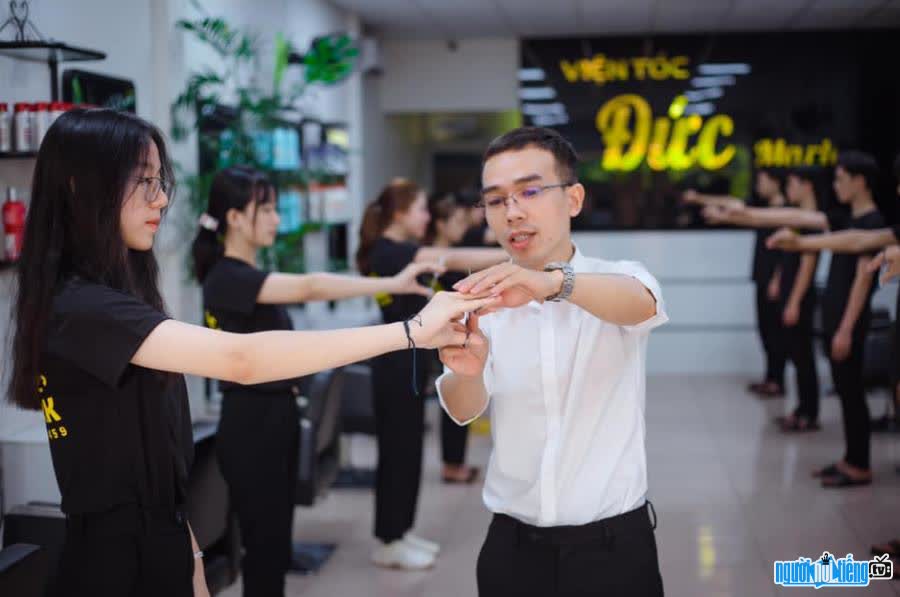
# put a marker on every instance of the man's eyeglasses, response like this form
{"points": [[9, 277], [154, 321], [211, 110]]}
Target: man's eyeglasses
{"points": [[150, 186], [494, 201]]}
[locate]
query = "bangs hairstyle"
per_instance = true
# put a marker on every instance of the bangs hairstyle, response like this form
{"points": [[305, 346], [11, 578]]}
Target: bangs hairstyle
{"points": [[84, 172]]}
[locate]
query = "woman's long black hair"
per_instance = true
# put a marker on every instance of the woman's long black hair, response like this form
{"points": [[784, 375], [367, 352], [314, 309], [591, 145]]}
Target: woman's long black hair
{"points": [[232, 188], [81, 179]]}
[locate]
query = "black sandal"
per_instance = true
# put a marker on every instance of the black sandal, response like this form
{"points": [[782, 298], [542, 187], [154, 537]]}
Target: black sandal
{"points": [[841, 480], [893, 548], [829, 471], [798, 425]]}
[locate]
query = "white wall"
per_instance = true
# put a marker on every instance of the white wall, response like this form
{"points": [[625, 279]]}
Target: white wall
{"points": [[128, 56], [426, 76], [141, 43]]}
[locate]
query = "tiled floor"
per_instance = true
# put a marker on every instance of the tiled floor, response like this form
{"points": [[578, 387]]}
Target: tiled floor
{"points": [[731, 493]]}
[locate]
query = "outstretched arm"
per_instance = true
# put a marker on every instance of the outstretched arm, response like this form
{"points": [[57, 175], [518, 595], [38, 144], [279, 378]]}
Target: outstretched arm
{"points": [[767, 217], [462, 259], [267, 356], [281, 288], [844, 241]]}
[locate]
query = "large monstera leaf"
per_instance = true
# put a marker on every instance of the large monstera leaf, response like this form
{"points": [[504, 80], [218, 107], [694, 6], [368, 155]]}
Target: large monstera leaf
{"points": [[330, 59]]}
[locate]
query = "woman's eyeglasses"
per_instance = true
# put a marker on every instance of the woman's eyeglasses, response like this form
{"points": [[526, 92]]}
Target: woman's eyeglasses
{"points": [[150, 186]]}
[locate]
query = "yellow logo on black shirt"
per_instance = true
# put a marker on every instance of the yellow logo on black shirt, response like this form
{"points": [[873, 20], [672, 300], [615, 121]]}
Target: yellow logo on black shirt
{"points": [[210, 320], [51, 415], [382, 298]]}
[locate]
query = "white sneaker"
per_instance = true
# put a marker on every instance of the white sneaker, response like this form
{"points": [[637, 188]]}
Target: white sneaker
{"points": [[402, 556], [423, 544]]}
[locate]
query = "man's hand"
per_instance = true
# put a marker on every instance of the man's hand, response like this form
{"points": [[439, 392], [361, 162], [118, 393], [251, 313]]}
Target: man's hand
{"points": [[890, 258], [469, 359], [840, 345], [784, 239], [515, 285]]}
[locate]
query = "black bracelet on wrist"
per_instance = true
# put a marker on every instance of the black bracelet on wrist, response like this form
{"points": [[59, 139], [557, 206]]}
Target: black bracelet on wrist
{"points": [[411, 344]]}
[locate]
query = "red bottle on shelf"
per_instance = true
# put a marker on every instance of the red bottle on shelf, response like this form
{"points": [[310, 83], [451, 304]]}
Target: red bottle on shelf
{"points": [[13, 225]]}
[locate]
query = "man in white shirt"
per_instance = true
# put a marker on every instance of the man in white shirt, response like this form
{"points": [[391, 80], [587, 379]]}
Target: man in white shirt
{"points": [[562, 366]]}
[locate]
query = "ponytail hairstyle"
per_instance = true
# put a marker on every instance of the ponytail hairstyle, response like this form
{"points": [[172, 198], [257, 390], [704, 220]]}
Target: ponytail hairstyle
{"points": [[396, 197], [441, 206], [234, 187]]}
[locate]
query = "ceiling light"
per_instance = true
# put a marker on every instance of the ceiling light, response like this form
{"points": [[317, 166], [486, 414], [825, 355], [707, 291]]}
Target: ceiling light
{"points": [[537, 109], [698, 95], [537, 93], [532, 74], [701, 109], [735, 68], [713, 81]]}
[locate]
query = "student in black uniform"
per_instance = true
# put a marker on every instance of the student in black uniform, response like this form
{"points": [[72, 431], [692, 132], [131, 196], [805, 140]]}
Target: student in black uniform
{"points": [[766, 278], [855, 242], [392, 227], [479, 234], [846, 302], [796, 299], [890, 259], [257, 438], [97, 353], [449, 220]]}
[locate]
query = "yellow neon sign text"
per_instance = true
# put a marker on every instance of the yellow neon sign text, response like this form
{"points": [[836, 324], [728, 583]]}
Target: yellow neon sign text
{"points": [[601, 69], [631, 135], [781, 154]]}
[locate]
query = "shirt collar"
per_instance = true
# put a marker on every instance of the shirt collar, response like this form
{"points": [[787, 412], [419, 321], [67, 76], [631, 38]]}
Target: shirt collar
{"points": [[578, 261]]}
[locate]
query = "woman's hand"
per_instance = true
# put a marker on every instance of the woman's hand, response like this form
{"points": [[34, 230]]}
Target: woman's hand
{"points": [[791, 315], [199, 579], [890, 259], [840, 345], [784, 239], [774, 289], [434, 326], [200, 588], [405, 282]]}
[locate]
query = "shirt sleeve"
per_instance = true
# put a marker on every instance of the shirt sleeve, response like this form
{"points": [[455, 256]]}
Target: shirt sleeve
{"points": [[99, 329], [389, 258], [838, 219], [234, 287], [639, 273], [488, 378]]}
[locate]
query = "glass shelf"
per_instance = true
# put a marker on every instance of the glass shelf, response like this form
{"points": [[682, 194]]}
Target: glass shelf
{"points": [[43, 51]]}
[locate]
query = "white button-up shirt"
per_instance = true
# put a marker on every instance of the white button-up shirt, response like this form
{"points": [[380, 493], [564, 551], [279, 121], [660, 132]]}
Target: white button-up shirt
{"points": [[566, 392]]}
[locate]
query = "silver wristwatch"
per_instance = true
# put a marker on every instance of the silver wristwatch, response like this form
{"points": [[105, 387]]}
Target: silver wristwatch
{"points": [[568, 284]]}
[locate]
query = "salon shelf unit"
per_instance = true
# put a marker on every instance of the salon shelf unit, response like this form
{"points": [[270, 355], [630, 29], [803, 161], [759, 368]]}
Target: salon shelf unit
{"points": [[53, 53]]}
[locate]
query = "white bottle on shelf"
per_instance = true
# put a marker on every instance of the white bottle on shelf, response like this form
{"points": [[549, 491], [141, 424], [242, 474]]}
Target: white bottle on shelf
{"points": [[23, 127], [57, 109], [5, 128], [41, 114]]}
